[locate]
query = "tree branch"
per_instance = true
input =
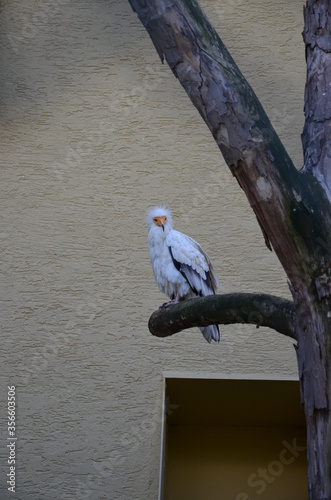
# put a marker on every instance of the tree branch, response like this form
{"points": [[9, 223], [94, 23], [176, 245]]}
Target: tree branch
{"points": [[256, 309]]}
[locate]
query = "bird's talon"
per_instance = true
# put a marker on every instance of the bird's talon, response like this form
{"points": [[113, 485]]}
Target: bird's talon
{"points": [[167, 304]]}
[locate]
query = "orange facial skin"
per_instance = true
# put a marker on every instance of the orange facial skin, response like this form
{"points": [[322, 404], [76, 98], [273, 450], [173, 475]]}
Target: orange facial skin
{"points": [[160, 220]]}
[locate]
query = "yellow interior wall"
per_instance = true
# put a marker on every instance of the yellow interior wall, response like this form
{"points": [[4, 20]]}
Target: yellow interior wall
{"points": [[234, 439], [239, 463]]}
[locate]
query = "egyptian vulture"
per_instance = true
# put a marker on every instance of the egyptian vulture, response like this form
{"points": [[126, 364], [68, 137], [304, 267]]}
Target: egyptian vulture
{"points": [[181, 268]]}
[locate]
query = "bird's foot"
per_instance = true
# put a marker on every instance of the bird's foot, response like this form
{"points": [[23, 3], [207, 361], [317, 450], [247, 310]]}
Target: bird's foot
{"points": [[170, 303]]}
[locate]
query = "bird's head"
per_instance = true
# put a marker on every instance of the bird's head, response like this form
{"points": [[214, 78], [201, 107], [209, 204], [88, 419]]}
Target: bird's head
{"points": [[159, 219]]}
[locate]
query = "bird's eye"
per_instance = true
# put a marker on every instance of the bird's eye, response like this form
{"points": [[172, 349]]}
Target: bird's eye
{"points": [[165, 218]]}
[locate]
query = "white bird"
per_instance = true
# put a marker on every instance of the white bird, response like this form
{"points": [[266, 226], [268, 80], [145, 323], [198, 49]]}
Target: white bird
{"points": [[181, 268]]}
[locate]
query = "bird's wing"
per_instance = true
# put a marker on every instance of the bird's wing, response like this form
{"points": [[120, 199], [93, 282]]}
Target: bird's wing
{"points": [[192, 262]]}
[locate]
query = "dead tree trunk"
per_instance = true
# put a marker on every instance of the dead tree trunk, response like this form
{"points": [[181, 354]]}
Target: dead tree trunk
{"points": [[292, 207]]}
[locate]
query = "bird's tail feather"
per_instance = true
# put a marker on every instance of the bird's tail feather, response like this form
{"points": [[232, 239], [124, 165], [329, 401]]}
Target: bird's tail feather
{"points": [[210, 333]]}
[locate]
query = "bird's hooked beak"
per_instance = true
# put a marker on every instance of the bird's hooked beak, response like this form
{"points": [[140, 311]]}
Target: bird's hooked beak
{"points": [[163, 221]]}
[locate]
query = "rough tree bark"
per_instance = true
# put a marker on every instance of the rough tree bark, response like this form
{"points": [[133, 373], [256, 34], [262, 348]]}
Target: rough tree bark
{"points": [[226, 309], [292, 207]]}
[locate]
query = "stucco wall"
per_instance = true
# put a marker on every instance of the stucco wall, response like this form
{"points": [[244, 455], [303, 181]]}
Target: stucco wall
{"points": [[94, 131]]}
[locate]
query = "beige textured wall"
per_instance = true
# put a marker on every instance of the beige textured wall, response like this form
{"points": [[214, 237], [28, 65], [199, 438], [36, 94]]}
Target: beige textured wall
{"points": [[94, 130]]}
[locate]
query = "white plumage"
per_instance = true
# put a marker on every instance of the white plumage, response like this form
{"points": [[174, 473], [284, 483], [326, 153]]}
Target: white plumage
{"points": [[181, 268]]}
